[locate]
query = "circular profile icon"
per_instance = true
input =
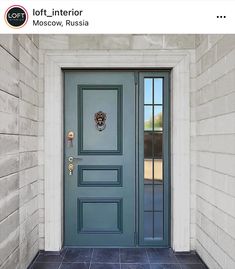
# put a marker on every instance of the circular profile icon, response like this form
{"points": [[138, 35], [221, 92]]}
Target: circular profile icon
{"points": [[16, 16]]}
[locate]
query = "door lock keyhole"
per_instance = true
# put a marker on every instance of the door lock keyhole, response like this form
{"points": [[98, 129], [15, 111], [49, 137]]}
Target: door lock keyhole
{"points": [[71, 168]]}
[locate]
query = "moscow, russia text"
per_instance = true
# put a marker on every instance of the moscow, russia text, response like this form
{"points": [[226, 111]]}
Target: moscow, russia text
{"points": [[47, 15]]}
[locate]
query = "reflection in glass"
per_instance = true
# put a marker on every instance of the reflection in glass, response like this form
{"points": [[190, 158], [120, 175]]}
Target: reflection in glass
{"points": [[148, 198], [148, 118], [157, 145], [148, 224], [158, 197], [148, 91], [148, 171], [158, 171], [148, 145], [158, 118], [158, 90], [158, 225]]}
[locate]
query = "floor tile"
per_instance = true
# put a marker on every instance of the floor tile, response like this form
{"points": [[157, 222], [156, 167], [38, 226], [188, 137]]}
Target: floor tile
{"points": [[105, 255], [165, 266], [48, 265], [193, 266], [188, 258], [135, 266], [165, 251], [48, 257], [164, 256], [133, 255], [78, 255], [105, 266], [80, 265], [124, 258], [63, 251]]}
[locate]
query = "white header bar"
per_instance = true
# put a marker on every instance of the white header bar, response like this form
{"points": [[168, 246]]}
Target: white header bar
{"points": [[117, 17]]}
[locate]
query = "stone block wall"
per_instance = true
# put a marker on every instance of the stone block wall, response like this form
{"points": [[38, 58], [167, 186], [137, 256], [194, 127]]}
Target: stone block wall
{"points": [[19, 147], [213, 118]]}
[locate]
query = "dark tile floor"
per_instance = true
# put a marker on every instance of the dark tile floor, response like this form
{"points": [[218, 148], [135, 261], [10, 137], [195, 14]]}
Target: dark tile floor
{"points": [[123, 258]]}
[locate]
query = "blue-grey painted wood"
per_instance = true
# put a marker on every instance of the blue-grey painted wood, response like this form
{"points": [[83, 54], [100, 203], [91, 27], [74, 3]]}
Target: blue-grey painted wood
{"points": [[100, 175], [107, 217], [108, 99], [110, 220]]}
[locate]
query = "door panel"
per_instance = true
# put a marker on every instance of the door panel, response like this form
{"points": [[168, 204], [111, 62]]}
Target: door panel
{"points": [[92, 175], [100, 194], [88, 221], [106, 98]]}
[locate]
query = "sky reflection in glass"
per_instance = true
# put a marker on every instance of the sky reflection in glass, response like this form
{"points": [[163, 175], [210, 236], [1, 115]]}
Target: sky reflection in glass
{"points": [[158, 90], [148, 91]]}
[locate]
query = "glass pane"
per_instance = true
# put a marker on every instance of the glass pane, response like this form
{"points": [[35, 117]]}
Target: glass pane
{"points": [[148, 90], [158, 177], [148, 171], [158, 90], [157, 141], [148, 197], [158, 225], [158, 162], [157, 118], [148, 162], [148, 224], [158, 197], [148, 145], [148, 118]]}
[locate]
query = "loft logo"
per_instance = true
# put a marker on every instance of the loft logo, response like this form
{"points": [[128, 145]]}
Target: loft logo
{"points": [[16, 16]]}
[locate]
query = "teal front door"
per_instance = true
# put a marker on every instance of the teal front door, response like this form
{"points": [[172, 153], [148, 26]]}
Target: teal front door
{"points": [[99, 146]]}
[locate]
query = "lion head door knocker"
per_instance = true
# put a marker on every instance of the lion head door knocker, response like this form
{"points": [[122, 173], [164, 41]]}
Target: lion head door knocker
{"points": [[100, 119]]}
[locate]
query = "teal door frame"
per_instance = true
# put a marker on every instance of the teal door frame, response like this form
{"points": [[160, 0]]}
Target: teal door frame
{"points": [[139, 152]]}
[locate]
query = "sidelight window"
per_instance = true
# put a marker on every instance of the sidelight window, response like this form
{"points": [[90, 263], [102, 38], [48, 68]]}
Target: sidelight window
{"points": [[153, 158]]}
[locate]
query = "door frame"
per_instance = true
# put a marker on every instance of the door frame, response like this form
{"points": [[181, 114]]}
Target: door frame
{"points": [[139, 148], [179, 62]]}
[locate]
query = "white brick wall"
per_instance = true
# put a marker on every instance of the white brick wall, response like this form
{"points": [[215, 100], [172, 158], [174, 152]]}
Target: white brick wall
{"points": [[19, 145], [214, 144]]}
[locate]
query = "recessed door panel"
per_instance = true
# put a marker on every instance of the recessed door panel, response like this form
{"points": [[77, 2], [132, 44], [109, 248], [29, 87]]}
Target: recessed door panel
{"points": [[92, 217], [106, 99], [100, 175]]}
